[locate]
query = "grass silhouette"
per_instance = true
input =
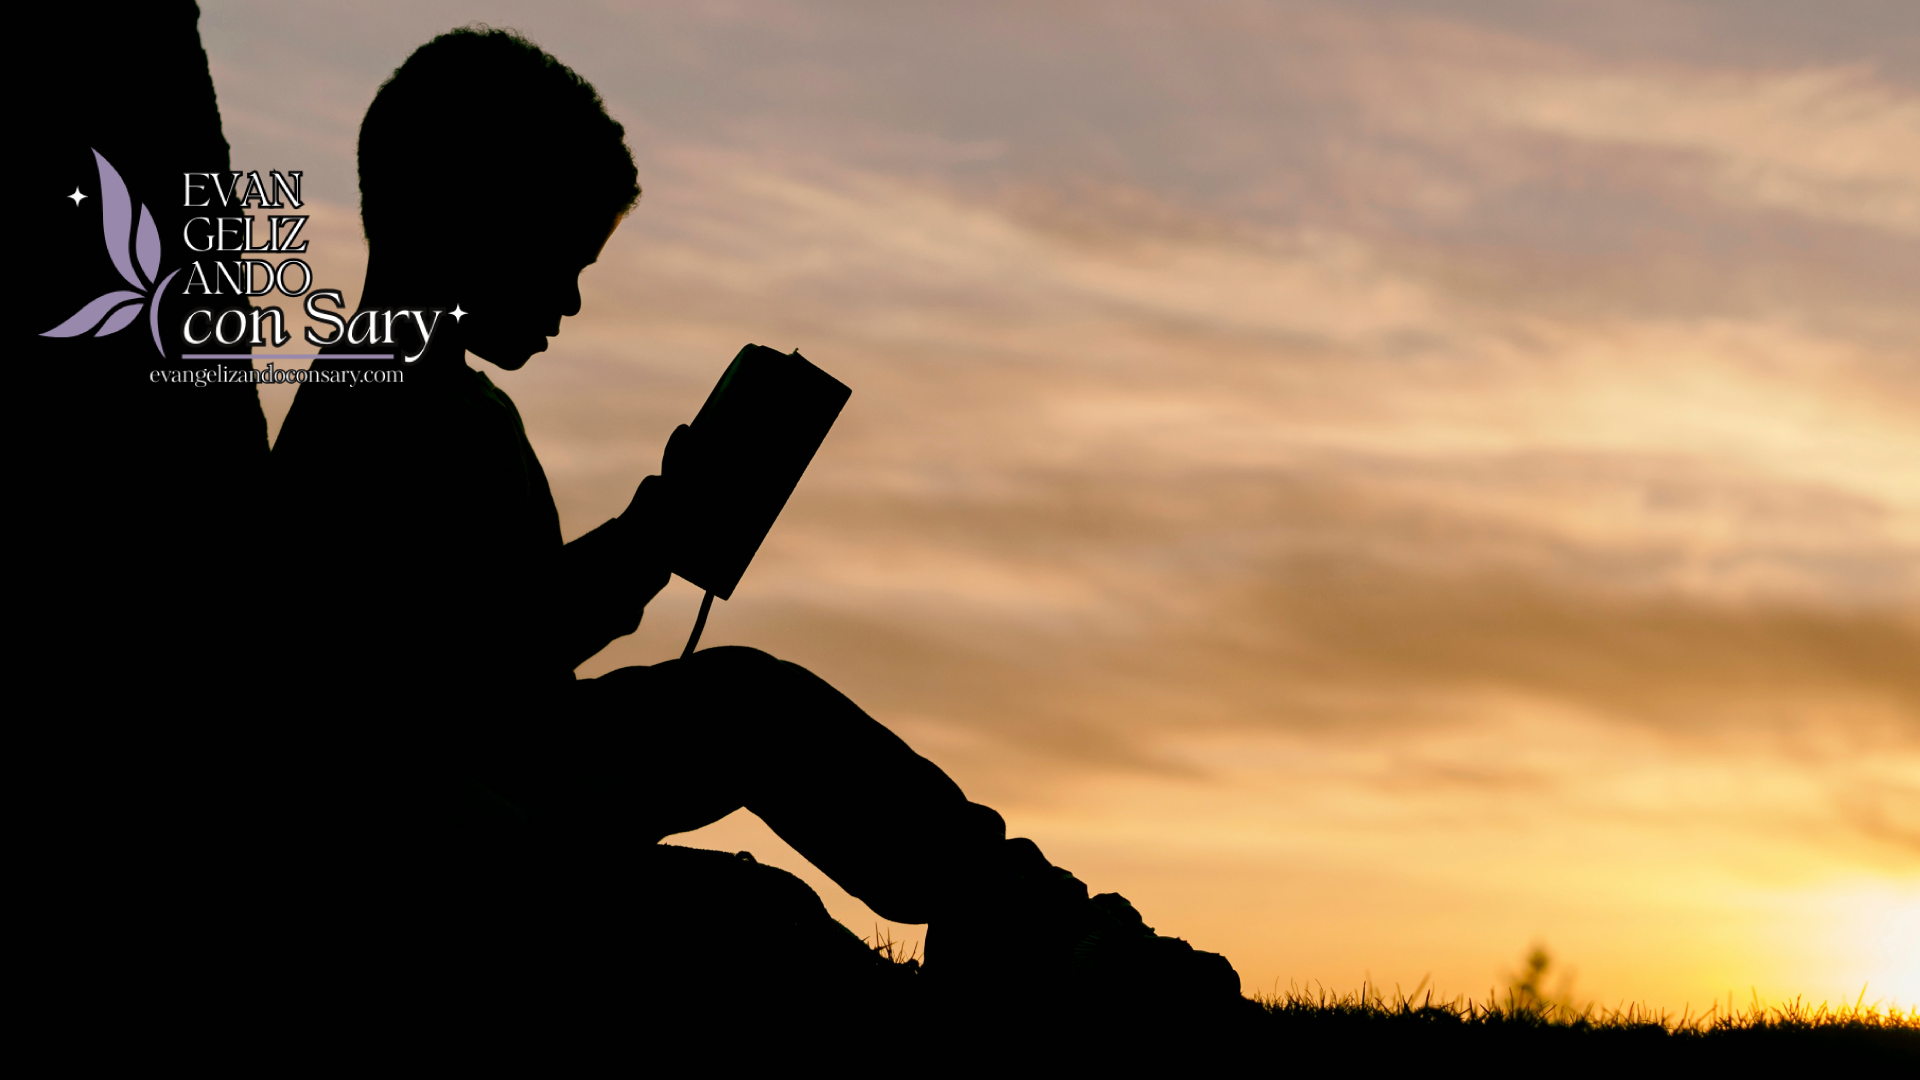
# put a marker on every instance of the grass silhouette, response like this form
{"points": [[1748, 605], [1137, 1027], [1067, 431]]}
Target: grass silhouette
{"points": [[1516, 1027], [1521, 1027], [1515, 1008]]}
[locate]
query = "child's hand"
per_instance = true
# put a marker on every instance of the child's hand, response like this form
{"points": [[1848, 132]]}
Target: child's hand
{"points": [[648, 522], [652, 518], [676, 459]]}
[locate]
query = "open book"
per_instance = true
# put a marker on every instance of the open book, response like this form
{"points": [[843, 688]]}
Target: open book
{"points": [[751, 441]]}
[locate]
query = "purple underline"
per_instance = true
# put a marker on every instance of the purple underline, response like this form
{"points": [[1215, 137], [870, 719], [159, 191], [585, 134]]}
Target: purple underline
{"points": [[287, 356]]}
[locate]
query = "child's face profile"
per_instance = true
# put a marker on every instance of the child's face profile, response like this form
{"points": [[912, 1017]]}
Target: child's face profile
{"points": [[518, 281]]}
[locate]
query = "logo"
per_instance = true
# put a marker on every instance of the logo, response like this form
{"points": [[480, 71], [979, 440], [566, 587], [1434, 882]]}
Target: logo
{"points": [[134, 249], [129, 247]]}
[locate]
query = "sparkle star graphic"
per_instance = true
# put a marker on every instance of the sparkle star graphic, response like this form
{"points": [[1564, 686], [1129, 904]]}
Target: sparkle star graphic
{"points": [[76, 196], [457, 313]]}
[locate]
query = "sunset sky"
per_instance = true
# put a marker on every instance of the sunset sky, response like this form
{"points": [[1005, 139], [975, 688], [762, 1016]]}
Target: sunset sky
{"points": [[1379, 484]]}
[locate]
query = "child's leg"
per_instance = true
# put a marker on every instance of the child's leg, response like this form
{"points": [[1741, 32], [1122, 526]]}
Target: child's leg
{"points": [[648, 752]]}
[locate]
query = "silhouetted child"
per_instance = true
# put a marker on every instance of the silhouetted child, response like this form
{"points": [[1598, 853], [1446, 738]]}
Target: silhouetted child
{"points": [[442, 617]]}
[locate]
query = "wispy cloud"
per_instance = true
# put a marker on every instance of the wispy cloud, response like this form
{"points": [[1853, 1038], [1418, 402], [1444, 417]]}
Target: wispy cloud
{"points": [[1834, 143]]}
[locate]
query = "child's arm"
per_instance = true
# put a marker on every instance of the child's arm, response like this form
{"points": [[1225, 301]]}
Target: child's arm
{"points": [[608, 576]]}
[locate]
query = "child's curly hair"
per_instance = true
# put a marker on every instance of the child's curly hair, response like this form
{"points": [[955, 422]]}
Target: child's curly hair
{"points": [[502, 120]]}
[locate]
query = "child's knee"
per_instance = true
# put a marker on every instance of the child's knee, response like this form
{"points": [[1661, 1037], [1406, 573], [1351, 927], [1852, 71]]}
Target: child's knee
{"points": [[740, 665], [734, 654]]}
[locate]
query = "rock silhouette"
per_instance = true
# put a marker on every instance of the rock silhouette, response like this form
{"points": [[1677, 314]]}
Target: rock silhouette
{"points": [[136, 655]]}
